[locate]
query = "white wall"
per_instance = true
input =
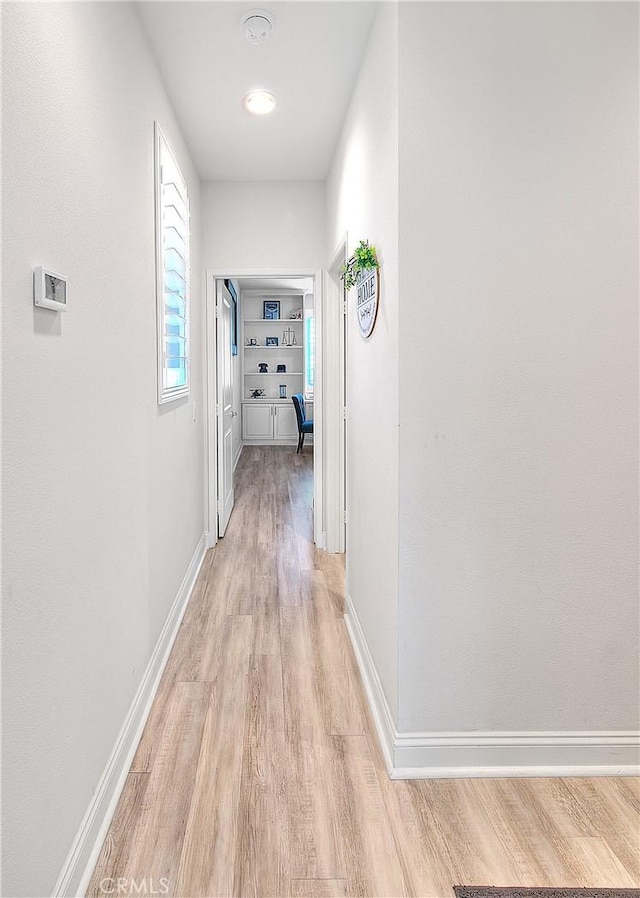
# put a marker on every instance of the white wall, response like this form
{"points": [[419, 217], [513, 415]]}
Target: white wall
{"points": [[103, 490], [268, 225], [518, 366], [263, 225], [362, 199]]}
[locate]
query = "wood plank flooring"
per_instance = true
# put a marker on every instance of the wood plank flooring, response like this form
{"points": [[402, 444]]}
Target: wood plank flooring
{"points": [[259, 772]]}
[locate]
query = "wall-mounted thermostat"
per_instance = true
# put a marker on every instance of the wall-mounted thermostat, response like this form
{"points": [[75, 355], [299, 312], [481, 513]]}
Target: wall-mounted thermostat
{"points": [[49, 290]]}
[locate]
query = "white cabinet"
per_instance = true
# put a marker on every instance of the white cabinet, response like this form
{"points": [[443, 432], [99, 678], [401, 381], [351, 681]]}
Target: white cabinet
{"points": [[257, 421], [285, 425], [267, 422]]}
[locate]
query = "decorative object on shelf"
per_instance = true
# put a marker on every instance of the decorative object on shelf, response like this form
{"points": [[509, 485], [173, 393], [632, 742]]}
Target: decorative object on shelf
{"points": [[281, 369], [263, 367], [271, 309], [289, 337], [283, 391], [252, 341], [257, 394], [296, 315], [364, 258], [272, 341]]}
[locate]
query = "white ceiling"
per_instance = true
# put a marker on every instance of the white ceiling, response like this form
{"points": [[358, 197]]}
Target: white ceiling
{"points": [[310, 63]]}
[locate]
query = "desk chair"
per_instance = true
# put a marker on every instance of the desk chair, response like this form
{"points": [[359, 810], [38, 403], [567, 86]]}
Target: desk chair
{"points": [[304, 425]]}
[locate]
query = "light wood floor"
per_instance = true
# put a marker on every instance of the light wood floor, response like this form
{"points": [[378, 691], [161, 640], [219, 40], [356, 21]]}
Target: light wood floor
{"points": [[259, 772]]}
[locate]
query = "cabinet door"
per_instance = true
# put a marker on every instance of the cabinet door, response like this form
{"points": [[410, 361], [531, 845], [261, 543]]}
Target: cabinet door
{"points": [[257, 422], [286, 425]]}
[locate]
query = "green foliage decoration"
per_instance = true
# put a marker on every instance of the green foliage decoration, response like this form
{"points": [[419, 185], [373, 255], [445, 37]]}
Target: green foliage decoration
{"points": [[364, 257]]}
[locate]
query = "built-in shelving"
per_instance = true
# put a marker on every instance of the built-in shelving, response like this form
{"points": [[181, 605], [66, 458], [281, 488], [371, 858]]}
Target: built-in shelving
{"points": [[291, 354], [272, 320], [271, 418]]}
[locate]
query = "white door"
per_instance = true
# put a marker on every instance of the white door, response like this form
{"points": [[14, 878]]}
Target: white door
{"points": [[224, 407]]}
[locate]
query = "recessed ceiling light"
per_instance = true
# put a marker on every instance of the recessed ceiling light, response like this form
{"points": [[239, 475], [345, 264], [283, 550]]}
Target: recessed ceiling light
{"points": [[259, 102]]}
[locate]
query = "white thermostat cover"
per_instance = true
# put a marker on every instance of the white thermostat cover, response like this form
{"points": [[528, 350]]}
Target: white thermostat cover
{"points": [[50, 290]]}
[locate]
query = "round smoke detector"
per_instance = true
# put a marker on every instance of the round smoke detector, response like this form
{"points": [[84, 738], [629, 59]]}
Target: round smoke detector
{"points": [[257, 25]]}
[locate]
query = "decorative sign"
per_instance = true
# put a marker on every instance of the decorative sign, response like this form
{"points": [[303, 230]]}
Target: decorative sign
{"points": [[368, 287]]}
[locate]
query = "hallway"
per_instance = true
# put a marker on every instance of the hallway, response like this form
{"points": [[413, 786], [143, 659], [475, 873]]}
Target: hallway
{"points": [[259, 773]]}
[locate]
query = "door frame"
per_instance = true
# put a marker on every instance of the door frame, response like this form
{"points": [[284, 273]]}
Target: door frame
{"points": [[211, 387], [334, 328], [220, 339]]}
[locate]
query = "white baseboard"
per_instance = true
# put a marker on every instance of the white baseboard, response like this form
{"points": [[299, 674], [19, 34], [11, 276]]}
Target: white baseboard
{"points": [[286, 441], [374, 692], [78, 867], [515, 754], [489, 754]]}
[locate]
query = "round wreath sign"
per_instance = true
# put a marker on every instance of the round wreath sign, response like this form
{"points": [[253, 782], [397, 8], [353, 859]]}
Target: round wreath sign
{"points": [[363, 272]]}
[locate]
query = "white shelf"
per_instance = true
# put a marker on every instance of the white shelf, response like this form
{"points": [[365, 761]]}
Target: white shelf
{"points": [[270, 419]]}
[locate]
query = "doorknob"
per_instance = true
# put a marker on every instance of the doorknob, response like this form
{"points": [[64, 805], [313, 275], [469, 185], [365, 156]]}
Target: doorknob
{"points": [[234, 414]]}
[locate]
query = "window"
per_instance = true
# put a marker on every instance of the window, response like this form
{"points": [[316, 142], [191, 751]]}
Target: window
{"points": [[309, 347], [172, 274]]}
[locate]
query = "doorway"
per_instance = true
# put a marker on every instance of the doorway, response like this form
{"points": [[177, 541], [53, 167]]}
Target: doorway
{"points": [[255, 363]]}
